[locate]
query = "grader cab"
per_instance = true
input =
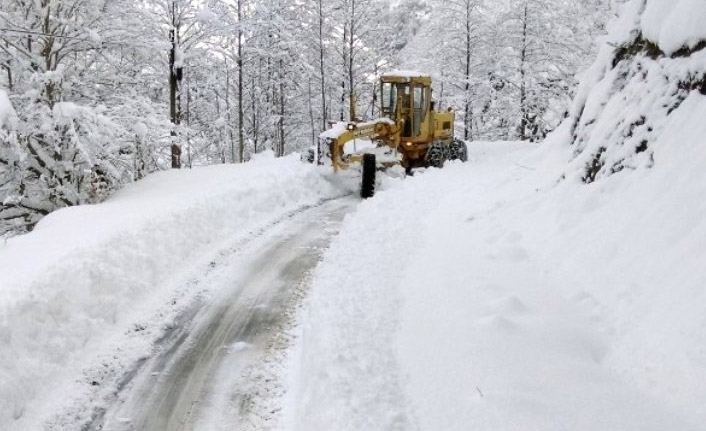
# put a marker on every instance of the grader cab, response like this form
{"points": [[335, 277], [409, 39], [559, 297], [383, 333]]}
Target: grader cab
{"points": [[410, 133]]}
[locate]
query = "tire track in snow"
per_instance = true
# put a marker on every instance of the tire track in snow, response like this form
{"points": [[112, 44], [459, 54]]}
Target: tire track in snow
{"points": [[175, 389]]}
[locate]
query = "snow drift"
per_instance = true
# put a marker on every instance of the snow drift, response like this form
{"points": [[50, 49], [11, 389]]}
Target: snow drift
{"points": [[88, 275]]}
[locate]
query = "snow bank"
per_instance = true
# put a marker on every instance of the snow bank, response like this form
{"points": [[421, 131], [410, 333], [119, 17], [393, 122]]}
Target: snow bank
{"points": [[673, 25], [88, 274], [489, 295]]}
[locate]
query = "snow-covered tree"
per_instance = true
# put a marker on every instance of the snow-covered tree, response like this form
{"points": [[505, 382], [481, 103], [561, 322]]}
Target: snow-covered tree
{"points": [[77, 95], [107, 91]]}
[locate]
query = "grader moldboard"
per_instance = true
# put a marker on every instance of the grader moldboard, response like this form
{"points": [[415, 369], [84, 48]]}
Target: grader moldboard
{"points": [[410, 133]]}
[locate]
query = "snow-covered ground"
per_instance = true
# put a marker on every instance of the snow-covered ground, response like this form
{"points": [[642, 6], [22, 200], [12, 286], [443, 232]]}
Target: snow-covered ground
{"points": [[88, 292], [493, 295], [499, 294]]}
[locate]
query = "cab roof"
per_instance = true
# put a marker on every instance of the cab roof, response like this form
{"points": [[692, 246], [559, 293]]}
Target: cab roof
{"points": [[402, 76]]}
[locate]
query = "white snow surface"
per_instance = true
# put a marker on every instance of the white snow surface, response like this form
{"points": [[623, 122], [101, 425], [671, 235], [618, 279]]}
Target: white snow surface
{"points": [[8, 117], [491, 296], [673, 24], [406, 74], [335, 131], [88, 278]]}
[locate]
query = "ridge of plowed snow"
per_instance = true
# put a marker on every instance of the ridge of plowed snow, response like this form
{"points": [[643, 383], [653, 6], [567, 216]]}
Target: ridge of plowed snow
{"points": [[88, 273]]}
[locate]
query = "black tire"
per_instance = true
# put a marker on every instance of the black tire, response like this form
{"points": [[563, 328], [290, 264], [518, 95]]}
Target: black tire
{"points": [[436, 155], [367, 186], [459, 151]]}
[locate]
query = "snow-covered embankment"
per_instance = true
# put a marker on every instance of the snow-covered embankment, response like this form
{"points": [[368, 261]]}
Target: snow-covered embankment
{"points": [[510, 302], [552, 288], [88, 279]]}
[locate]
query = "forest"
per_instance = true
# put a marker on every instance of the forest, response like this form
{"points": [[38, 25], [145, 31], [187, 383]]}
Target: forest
{"points": [[95, 94]]}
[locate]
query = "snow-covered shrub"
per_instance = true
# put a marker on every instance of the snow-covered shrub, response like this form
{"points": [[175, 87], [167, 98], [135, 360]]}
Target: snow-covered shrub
{"points": [[653, 58], [69, 154], [9, 162]]}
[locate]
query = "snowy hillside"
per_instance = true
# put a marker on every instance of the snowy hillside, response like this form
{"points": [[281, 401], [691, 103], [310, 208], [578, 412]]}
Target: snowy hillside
{"points": [[653, 59], [92, 278]]}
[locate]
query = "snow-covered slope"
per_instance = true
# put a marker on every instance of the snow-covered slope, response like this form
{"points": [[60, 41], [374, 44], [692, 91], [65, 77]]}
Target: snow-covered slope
{"points": [[652, 60], [486, 295], [552, 288], [90, 277]]}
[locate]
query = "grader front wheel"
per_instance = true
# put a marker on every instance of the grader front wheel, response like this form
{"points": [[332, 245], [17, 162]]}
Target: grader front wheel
{"points": [[437, 155], [367, 186]]}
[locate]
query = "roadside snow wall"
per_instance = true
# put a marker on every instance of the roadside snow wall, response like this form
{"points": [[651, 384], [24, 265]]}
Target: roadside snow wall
{"points": [[93, 272], [653, 58]]}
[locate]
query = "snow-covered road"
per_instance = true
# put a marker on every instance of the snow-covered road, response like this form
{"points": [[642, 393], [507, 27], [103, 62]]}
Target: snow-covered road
{"points": [[107, 284], [203, 375], [499, 294]]}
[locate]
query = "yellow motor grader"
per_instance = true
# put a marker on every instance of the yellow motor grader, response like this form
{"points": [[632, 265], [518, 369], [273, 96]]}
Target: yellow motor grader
{"points": [[410, 133]]}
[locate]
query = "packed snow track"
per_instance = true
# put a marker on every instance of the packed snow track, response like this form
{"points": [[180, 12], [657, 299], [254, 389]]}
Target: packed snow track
{"points": [[201, 377]]}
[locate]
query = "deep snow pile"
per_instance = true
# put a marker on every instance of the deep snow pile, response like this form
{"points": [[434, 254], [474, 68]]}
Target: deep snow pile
{"points": [[653, 58], [89, 278], [674, 25], [487, 295]]}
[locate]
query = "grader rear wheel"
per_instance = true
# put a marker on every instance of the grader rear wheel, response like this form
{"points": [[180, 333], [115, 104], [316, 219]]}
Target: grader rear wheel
{"points": [[458, 151], [367, 186]]}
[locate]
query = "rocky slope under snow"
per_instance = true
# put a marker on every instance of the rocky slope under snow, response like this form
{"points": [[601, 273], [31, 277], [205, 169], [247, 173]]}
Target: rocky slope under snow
{"points": [[653, 58]]}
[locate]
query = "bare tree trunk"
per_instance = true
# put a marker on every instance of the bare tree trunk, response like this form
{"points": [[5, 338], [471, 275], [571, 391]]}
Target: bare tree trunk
{"points": [[175, 78], [468, 109], [221, 143], [375, 91], [229, 117], [344, 51], [351, 40], [523, 87], [188, 123], [280, 149], [8, 69], [255, 107], [311, 113], [241, 138], [324, 113]]}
